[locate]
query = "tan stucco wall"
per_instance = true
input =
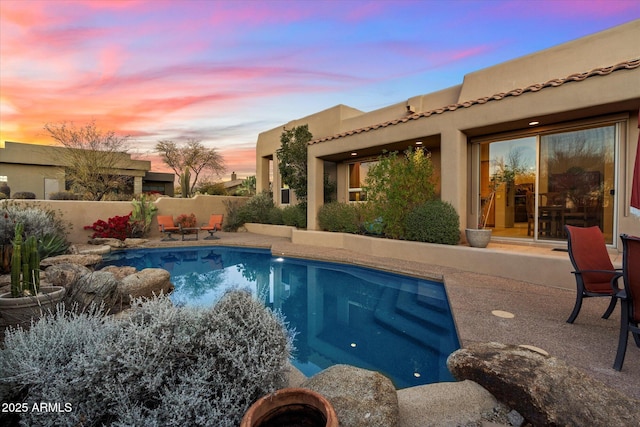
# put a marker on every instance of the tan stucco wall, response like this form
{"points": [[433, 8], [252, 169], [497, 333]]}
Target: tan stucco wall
{"points": [[83, 213]]}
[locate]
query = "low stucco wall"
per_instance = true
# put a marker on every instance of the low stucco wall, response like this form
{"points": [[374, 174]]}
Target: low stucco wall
{"points": [[549, 270], [83, 213], [270, 230]]}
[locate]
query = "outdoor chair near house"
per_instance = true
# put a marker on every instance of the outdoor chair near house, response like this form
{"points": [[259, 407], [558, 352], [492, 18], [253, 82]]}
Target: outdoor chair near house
{"points": [[215, 224], [594, 272], [167, 226], [629, 297]]}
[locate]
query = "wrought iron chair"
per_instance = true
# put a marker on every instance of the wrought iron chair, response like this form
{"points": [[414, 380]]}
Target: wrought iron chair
{"points": [[167, 226], [215, 224], [594, 272], [629, 297]]}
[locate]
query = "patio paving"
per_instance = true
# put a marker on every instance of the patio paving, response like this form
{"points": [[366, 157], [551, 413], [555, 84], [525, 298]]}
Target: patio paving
{"points": [[540, 312]]}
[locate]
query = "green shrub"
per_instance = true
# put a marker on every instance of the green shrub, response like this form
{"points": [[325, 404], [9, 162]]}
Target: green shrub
{"points": [[162, 366], [295, 216], [64, 195], [274, 216], [395, 185], [24, 195], [257, 208], [3, 196], [339, 217], [434, 222], [233, 220]]}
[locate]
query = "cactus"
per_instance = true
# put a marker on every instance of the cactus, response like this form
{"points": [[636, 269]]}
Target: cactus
{"points": [[32, 259], [16, 262], [143, 212], [185, 179], [25, 265]]}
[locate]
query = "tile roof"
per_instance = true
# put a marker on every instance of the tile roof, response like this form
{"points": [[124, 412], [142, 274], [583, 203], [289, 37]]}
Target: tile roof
{"points": [[577, 77]]}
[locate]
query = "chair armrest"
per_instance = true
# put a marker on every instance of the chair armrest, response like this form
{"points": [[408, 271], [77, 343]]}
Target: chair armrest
{"points": [[617, 271], [619, 293]]}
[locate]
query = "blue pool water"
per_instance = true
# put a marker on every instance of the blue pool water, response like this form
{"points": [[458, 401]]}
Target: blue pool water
{"points": [[398, 325]]}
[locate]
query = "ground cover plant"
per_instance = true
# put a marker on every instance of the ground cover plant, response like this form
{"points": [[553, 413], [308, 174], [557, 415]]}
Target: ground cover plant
{"points": [[164, 365]]}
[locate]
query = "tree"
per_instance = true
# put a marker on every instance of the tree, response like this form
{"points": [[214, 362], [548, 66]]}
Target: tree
{"points": [[395, 185], [190, 157], [92, 159], [292, 159]]}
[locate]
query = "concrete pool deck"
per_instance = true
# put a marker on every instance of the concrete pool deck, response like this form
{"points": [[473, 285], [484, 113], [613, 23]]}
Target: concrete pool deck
{"points": [[539, 312]]}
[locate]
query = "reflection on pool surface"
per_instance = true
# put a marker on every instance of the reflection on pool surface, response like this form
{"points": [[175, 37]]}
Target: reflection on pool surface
{"points": [[398, 325]]}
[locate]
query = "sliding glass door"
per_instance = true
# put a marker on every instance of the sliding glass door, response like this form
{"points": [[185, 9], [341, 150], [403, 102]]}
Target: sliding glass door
{"points": [[531, 187]]}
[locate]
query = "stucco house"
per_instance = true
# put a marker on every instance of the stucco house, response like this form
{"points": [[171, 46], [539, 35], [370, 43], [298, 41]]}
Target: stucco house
{"points": [[40, 169], [565, 119]]}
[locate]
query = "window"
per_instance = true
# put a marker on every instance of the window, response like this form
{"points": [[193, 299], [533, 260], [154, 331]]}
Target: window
{"points": [[284, 196], [357, 176], [532, 186]]}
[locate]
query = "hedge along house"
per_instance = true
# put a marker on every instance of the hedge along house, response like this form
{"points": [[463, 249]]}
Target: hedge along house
{"points": [[40, 169], [564, 120]]}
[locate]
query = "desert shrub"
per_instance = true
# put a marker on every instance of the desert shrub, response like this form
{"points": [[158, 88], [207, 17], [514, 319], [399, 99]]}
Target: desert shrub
{"points": [[187, 221], [164, 365], [434, 222], [24, 195], [64, 195], [233, 219], [117, 227], [395, 185], [3, 196], [37, 221], [295, 216], [274, 216], [339, 217], [257, 208]]}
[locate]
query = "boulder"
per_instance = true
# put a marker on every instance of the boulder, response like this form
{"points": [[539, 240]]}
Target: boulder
{"points": [[113, 243], [65, 274], [88, 260], [99, 288], [360, 397], [543, 389], [133, 242], [119, 272], [444, 404], [146, 283]]}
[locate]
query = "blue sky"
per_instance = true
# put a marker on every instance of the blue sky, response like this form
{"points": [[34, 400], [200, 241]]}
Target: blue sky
{"points": [[224, 71]]}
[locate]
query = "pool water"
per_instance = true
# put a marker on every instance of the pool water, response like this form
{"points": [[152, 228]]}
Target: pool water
{"points": [[398, 325]]}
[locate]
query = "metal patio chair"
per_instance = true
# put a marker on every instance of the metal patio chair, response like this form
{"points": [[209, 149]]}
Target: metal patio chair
{"points": [[215, 224], [629, 297], [594, 272]]}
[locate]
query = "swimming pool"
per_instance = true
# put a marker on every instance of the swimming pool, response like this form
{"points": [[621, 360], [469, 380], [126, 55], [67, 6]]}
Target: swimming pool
{"points": [[398, 325]]}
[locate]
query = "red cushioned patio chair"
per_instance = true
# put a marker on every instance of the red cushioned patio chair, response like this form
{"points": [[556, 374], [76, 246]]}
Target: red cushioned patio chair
{"points": [[594, 272], [167, 226], [215, 224], [629, 296]]}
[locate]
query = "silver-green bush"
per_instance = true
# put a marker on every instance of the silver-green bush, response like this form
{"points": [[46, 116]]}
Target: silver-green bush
{"points": [[162, 366], [37, 221]]}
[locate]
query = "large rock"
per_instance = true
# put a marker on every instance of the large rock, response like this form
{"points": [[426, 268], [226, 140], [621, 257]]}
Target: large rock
{"points": [[360, 397], [99, 288], [111, 242], [444, 404], [543, 389], [88, 260], [146, 283], [120, 272], [65, 274]]}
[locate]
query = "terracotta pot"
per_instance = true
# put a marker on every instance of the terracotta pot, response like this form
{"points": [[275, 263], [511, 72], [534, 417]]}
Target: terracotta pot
{"points": [[21, 310], [290, 407], [478, 237]]}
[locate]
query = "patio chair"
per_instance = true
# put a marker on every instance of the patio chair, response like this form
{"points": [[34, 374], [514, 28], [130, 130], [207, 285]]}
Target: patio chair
{"points": [[629, 296], [167, 226], [215, 224], [594, 272]]}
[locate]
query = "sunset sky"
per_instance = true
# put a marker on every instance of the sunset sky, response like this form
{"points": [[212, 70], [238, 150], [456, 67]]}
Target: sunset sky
{"points": [[224, 71]]}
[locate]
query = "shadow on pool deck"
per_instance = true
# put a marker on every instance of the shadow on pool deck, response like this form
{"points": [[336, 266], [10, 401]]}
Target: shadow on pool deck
{"points": [[540, 312]]}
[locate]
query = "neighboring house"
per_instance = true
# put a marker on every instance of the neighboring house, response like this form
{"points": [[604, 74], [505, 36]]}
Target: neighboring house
{"points": [[566, 118], [40, 169]]}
